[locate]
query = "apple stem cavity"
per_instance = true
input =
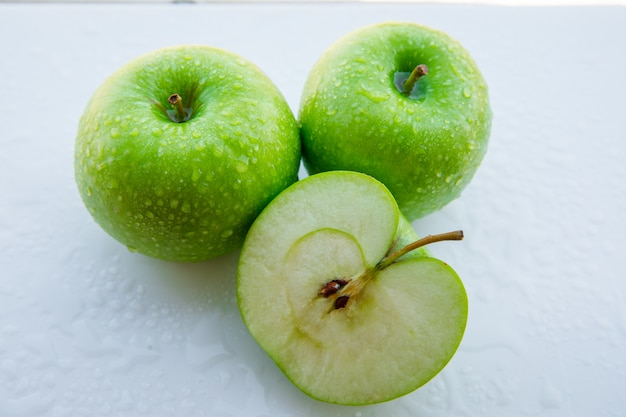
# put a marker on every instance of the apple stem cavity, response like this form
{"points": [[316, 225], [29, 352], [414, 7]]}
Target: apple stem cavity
{"points": [[388, 260], [417, 73], [179, 114]]}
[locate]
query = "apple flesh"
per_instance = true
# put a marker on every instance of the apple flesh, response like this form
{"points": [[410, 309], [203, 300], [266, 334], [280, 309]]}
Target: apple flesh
{"points": [[326, 291], [402, 102], [178, 151]]}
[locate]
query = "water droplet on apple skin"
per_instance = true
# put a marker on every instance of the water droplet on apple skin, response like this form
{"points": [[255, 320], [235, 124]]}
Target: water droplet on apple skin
{"points": [[374, 96]]}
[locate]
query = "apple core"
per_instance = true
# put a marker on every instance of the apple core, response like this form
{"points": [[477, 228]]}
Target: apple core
{"points": [[340, 291]]}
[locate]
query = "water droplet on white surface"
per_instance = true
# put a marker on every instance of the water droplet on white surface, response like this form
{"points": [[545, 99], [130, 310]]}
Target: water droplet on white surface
{"points": [[551, 397]]}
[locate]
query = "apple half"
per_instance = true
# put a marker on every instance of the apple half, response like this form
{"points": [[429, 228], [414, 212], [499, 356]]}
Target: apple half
{"points": [[328, 288]]}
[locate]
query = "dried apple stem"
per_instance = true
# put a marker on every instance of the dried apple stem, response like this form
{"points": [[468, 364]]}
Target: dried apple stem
{"points": [[388, 260], [415, 75], [177, 103]]}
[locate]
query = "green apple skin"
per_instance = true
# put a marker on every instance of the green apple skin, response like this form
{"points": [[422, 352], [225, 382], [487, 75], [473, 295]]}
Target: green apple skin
{"points": [[184, 191], [425, 146], [406, 234], [398, 331]]}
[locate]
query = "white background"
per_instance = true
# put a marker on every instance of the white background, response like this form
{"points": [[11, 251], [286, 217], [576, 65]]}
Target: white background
{"points": [[89, 329]]}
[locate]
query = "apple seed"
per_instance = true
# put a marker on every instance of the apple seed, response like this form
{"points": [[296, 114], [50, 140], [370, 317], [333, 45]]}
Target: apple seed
{"points": [[341, 302], [332, 287]]}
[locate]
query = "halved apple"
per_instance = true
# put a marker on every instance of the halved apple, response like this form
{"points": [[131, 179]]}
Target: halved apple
{"points": [[333, 287]]}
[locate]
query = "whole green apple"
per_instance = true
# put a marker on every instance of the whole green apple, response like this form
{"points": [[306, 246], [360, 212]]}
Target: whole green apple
{"points": [[333, 284], [178, 151], [403, 103]]}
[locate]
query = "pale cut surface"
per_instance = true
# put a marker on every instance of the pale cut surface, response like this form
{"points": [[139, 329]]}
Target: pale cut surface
{"points": [[399, 334], [396, 335], [345, 201]]}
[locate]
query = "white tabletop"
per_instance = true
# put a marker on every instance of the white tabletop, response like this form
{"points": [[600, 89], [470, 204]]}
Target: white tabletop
{"points": [[90, 329]]}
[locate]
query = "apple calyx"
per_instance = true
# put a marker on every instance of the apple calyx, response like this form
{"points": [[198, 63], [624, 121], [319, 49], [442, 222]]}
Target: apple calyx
{"points": [[178, 113], [417, 73], [341, 291]]}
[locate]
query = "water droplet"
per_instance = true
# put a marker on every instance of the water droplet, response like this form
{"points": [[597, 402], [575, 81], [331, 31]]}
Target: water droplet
{"points": [[196, 174], [89, 191], [174, 203], [551, 396], [186, 208], [241, 166], [131, 248], [375, 96], [115, 133], [134, 132], [156, 131], [218, 150], [227, 233], [331, 111], [467, 93], [195, 134], [457, 72]]}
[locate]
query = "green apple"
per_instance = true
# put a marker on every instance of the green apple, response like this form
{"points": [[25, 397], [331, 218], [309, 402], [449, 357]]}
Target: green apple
{"points": [[403, 103], [178, 151], [329, 290]]}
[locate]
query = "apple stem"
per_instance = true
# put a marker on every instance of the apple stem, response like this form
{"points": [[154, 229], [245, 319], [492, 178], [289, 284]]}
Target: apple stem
{"points": [[388, 260], [415, 75], [177, 103]]}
